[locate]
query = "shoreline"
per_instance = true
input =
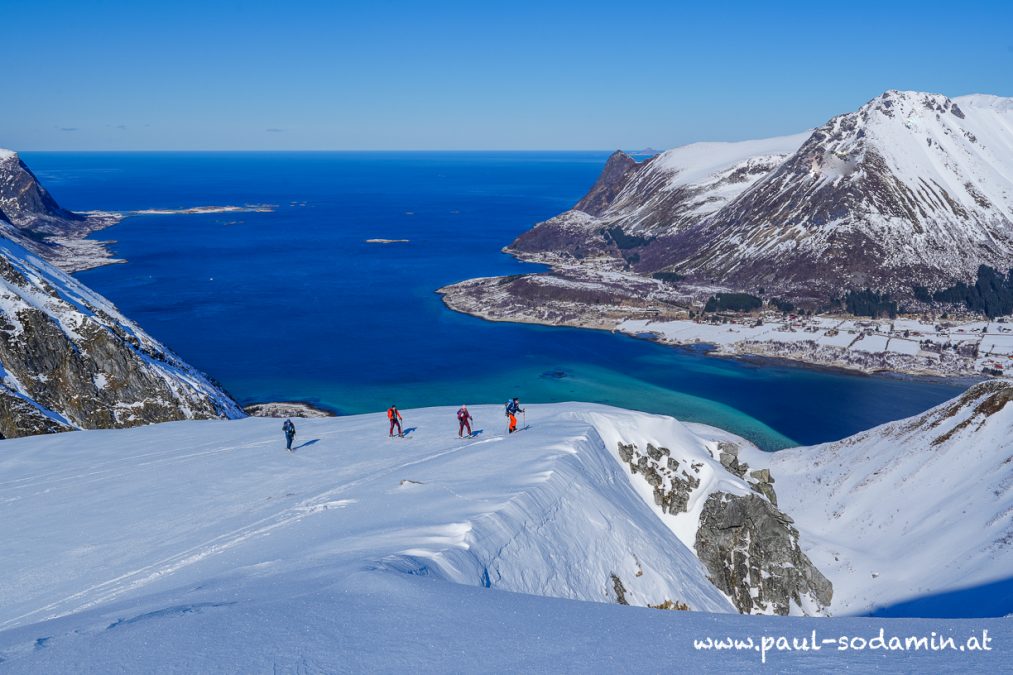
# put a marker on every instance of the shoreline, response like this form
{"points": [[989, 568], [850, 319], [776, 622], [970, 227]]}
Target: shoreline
{"points": [[283, 409], [75, 252], [804, 353]]}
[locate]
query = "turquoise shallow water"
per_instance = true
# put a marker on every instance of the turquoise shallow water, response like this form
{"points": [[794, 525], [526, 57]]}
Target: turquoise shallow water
{"points": [[293, 304]]}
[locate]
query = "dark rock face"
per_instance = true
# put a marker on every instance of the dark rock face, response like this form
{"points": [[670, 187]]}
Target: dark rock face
{"points": [[22, 417], [70, 360], [619, 590], [752, 554], [615, 174], [28, 206]]}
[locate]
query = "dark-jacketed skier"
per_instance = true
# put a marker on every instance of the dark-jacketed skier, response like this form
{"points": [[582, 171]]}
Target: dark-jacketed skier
{"points": [[289, 428], [513, 407]]}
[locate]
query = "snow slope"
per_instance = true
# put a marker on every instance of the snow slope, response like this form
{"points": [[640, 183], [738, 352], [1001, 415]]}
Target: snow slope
{"points": [[547, 512], [204, 546], [69, 359], [909, 509]]}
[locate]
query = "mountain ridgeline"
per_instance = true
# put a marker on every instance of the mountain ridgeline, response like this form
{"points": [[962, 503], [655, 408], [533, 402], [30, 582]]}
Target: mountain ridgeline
{"points": [[911, 191], [69, 359]]}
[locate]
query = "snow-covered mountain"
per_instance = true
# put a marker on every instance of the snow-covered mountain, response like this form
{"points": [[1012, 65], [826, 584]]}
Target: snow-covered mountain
{"points": [[70, 360], [632, 203], [911, 189], [27, 205], [31, 217], [911, 508], [206, 546]]}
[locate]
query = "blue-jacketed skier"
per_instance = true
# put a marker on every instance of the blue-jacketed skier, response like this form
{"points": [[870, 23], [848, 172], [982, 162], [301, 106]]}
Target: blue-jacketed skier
{"points": [[513, 407]]}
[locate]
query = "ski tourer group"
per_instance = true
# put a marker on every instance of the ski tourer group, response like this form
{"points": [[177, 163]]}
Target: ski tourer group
{"points": [[464, 420]]}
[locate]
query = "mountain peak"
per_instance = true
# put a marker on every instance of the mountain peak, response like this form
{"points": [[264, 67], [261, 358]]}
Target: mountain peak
{"points": [[618, 167]]}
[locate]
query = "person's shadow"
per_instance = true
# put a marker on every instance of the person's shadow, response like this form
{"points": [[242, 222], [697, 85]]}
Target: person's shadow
{"points": [[306, 444], [408, 431], [476, 433]]}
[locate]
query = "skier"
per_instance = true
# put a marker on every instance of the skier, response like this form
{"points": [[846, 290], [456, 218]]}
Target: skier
{"points": [[289, 428], [464, 419], [512, 408], [395, 420]]}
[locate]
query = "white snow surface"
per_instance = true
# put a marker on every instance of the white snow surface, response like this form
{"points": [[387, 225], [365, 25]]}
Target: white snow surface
{"points": [[205, 546], [699, 163], [908, 509]]}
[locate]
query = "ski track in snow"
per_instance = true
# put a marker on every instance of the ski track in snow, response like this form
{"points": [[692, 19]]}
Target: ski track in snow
{"points": [[205, 545], [113, 588]]}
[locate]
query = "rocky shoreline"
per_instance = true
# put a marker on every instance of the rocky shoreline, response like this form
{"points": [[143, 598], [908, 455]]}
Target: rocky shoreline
{"points": [[74, 252], [650, 309]]}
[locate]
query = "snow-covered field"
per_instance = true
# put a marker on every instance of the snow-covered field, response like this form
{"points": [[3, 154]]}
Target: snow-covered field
{"points": [[205, 546]]}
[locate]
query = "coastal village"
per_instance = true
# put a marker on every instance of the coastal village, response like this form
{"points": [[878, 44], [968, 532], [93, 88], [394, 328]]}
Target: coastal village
{"points": [[906, 344]]}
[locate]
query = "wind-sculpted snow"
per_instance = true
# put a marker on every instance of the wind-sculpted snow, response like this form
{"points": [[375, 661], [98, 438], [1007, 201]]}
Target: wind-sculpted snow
{"points": [[71, 360], [205, 546], [129, 513]]}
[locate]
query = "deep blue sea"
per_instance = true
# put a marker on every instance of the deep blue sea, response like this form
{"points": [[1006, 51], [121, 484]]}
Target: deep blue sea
{"points": [[293, 305]]}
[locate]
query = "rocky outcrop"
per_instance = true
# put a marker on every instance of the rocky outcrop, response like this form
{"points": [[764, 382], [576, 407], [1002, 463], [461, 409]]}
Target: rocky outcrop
{"points": [[20, 416], [71, 360], [752, 553], [728, 455], [749, 548], [672, 487]]}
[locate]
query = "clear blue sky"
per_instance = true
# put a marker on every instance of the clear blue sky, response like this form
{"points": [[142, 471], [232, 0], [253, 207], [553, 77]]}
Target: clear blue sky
{"points": [[472, 75]]}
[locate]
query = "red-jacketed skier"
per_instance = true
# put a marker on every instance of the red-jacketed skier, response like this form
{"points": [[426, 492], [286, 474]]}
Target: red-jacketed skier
{"points": [[464, 419], [395, 421]]}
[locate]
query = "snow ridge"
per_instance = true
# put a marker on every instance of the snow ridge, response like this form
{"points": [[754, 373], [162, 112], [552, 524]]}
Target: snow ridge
{"points": [[915, 507]]}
